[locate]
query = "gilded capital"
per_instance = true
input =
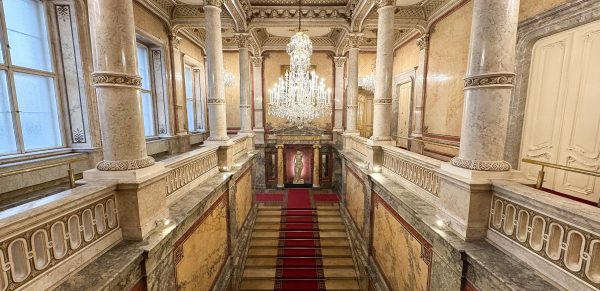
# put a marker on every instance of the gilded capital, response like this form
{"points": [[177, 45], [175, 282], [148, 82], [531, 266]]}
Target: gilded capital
{"points": [[354, 39], [216, 3], [384, 3], [339, 61], [423, 41], [242, 39], [256, 61]]}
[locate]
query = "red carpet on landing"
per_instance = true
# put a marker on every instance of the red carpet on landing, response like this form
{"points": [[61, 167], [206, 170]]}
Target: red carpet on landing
{"points": [[299, 259]]}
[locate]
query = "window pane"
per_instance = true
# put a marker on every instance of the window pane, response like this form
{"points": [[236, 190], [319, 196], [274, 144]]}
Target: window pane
{"points": [[189, 92], [27, 34], [8, 143], [143, 66], [148, 113], [190, 114], [37, 111]]}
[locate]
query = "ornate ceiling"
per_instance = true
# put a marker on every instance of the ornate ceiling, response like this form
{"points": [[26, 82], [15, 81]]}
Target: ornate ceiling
{"points": [[271, 22]]}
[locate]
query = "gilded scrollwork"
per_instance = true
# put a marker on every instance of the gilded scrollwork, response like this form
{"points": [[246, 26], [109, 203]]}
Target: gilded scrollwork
{"points": [[102, 79], [490, 80]]}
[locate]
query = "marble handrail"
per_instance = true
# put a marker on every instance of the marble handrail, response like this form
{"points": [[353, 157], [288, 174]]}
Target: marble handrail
{"points": [[417, 169], [43, 241], [187, 167]]}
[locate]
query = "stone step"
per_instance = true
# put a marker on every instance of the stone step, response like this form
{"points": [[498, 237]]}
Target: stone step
{"points": [[278, 226], [337, 252], [330, 284], [328, 262], [270, 272], [325, 242], [276, 234]]}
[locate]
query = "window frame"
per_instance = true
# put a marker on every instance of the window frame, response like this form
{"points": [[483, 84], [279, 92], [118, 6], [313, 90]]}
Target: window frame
{"points": [[11, 69], [152, 90], [198, 93]]}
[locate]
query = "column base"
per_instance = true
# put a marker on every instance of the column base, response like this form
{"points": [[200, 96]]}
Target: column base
{"points": [[474, 175], [260, 135], [141, 198]]}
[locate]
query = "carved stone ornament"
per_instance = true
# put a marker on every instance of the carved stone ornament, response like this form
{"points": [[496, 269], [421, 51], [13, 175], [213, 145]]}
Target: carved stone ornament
{"points": [[126, 165], [384, 3], [383, 101], [423, 41], [256, 61], [175, 40], [492, 166], [102, 79], [354, 39], [216, 101], [242, 40], [216, 3], [490, 80], [339, 61], [352, 106]]}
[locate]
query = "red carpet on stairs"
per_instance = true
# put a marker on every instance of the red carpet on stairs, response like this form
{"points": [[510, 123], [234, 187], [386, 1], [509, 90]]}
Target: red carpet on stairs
{"points": [[299, 260], [269, 197]]}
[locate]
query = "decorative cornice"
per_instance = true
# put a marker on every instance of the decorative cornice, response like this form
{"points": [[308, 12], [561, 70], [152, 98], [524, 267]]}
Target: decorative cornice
{"points": [[493, 166], [216, 101], [216, 3], [490, 80], [384, 3], [339, 61], [423, 41], [106, 79], [256, 61], [125, 165], [354, 39], [382, 101]]}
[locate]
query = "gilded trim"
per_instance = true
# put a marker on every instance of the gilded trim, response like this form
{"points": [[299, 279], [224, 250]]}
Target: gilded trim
{"points": [[102, 79]]}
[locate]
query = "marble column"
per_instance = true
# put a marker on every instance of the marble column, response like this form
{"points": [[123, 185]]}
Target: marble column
{"points": [[245, 101], [259, 129], [214, 65], [339, 93], [382, 101], [117, 86], [316, 166], [419, 93], [488, 86], [280, 169], [352, 93], [180, 141]]}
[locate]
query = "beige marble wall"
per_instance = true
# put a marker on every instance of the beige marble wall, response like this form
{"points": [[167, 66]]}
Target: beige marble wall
{"points": [[272, 70], [192, 50], [203, 251], [366, 62], [149, 23], [530, 8], [445, 73], [398, 252], [243, 198], [406, 57], [232, 93], [355, 198]]}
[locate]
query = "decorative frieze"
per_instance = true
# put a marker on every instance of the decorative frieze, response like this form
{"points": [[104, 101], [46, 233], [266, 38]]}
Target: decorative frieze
{"points": [[493, 166], [34, 251], [216, 101], [425, 178], [382, 101], [185, 173], [125, 165], [572, 249], [490, 80], [101, 79]]}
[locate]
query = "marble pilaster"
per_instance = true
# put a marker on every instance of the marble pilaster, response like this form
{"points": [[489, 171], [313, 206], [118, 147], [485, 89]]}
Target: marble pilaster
{"points": [[419, 93], [259, 129], [339, 93], [383, 71], [280, 169], [180, 141], [117, 86], [488, 86], [352, 92], [316, 166], [245, 99], [217, 113]]}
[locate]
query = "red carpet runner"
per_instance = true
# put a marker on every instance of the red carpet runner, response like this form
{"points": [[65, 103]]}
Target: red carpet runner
{"points": [[299, 260]]}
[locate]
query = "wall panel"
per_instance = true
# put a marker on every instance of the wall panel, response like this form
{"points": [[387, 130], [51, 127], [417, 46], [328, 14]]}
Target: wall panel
{"points": [[243, 198], [355, 198]]}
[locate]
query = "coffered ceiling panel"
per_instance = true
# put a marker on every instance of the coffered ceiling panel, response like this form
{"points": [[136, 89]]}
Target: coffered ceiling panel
{"points": [[295, 2]]}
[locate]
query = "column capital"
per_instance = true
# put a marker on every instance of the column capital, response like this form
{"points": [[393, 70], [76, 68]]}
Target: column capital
{"points": [[242, 39], [256, 61], [384, 3], [316, 146], [175, 40], [423, 41], [216, 3], [354, 39], [339, 61]]}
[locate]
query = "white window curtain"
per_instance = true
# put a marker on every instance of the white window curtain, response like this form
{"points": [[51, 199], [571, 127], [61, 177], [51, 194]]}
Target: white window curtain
{"points": [[29, 117]]}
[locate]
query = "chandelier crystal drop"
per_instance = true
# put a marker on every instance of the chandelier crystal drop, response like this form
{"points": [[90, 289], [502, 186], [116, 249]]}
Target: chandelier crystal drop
{"points": [[368, 82], [299, 96], [228, 79]]}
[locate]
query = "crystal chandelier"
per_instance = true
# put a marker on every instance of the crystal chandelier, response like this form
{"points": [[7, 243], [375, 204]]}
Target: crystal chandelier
{"points": [[228, 79], [368, 82], [299, 96]]}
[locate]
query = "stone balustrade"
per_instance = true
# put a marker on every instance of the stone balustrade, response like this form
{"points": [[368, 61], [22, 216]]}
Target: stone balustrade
{"points": [[43, 241], [420, 171], [191, 167]]}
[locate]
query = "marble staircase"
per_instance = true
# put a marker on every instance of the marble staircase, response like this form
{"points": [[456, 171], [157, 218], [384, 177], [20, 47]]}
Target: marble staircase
{"points": [[263, 267]]}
